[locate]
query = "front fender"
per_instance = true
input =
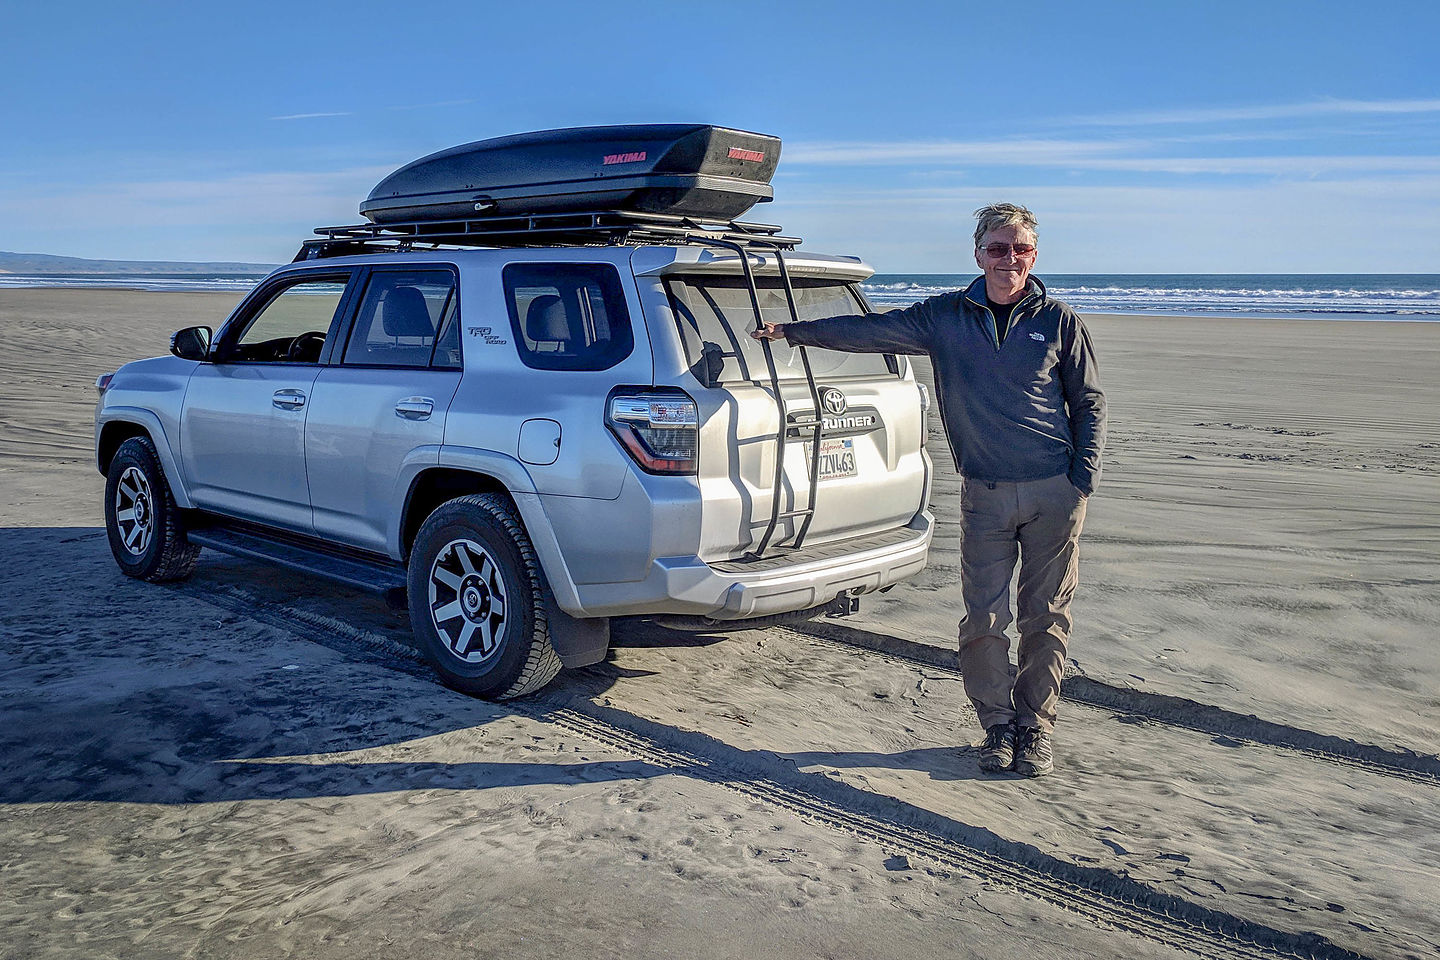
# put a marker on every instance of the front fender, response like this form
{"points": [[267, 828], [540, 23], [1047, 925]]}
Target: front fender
{"points": [[152, 425]]}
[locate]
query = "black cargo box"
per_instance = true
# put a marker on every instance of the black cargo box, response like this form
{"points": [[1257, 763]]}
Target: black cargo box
{"points": [[691, 170]]}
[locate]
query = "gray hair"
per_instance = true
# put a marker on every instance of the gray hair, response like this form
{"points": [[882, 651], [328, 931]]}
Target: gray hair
{"points": [[997, 215]]}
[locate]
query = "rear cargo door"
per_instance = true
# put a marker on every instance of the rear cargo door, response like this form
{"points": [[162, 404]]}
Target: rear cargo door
{"points": [[871, 471]]}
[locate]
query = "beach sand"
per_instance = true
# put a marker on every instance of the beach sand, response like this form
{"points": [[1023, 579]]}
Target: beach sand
{"points": [[251, 765]]}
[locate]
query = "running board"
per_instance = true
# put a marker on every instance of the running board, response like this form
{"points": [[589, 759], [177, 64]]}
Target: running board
{"points": [[372, 576]]}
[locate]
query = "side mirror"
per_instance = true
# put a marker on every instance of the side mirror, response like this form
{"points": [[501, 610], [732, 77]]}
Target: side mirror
{"points": [[192, 343]]}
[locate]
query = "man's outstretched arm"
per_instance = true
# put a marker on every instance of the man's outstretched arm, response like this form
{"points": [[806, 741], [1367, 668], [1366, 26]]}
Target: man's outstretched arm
{"points": [[900, 331]]}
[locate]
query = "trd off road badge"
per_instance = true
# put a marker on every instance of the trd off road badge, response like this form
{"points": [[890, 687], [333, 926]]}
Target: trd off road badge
{"points": [[487, 333]]}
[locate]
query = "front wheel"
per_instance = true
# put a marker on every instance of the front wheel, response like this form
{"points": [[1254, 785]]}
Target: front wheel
{"points": [[146, 533], [477, 601]]}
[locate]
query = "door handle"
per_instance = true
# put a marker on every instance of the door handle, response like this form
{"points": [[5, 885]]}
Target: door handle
{"points": [[288, 399], [415, 408]]}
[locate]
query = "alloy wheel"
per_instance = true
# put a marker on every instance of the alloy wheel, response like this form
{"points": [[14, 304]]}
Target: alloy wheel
{"points": [[467, 600], [134, 511]]}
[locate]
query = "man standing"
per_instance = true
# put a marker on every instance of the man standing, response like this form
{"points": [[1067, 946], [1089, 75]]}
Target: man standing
{"points": [[1021, 403]]}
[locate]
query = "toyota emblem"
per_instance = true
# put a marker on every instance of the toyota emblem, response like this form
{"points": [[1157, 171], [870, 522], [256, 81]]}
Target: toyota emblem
{"points": [[833, 400]]}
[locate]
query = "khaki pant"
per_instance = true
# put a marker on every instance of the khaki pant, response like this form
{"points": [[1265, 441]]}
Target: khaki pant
{"points": [[1037, 522]]}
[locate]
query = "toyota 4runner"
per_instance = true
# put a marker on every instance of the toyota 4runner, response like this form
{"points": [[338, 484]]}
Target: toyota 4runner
{"points": [[524, 426]]}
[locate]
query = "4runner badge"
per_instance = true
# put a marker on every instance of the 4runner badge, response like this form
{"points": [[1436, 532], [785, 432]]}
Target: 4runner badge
{"points": [[838, 419], [487, 333]]}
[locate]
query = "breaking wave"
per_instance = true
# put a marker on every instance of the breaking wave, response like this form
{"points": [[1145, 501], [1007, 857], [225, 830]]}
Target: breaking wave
{"points": [[1360, 296], [152, 282]]}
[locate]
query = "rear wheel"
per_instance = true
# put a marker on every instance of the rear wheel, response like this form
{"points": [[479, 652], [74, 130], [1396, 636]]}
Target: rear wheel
{"points": [[477, 602], [142, 522]]}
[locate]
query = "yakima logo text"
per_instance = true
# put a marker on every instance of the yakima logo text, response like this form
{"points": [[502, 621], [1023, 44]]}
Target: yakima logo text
{"points": [[754, 156], [634, 157]]}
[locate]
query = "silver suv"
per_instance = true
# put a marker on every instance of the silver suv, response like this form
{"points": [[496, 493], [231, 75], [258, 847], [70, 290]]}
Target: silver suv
{"points": [[523, 442]]}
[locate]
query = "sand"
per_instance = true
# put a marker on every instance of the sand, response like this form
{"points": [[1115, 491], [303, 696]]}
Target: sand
{"points": [[250, 765]]}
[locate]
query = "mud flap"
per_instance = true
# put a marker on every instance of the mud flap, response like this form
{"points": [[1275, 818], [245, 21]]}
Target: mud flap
{"points": [[578, 642]]}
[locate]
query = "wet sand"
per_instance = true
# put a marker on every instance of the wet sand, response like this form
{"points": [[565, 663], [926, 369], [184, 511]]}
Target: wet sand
{"points": [[247, 765]]}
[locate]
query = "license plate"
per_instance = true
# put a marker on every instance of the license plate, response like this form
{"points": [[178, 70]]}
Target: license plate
{"points": [[837, 458]]}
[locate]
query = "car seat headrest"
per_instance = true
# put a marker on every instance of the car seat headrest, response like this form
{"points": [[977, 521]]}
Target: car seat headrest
{"points": [[546, 319], [404, 313]]}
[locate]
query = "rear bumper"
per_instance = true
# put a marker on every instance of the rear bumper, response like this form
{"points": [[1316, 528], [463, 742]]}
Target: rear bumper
{"points": [[736, 590]]}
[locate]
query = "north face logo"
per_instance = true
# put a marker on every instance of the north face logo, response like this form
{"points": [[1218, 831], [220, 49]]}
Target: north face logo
{"points": [[1038, 336]]}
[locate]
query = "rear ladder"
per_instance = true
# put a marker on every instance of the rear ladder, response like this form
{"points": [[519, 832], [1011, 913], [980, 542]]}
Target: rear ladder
{"points": [[815, 424]]}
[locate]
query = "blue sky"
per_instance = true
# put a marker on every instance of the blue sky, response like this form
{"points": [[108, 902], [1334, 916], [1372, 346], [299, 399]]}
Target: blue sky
{"points": [[1254, 137]]}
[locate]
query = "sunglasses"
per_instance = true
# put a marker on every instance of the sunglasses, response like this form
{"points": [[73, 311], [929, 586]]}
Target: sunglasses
{"points": [[997, 250]]}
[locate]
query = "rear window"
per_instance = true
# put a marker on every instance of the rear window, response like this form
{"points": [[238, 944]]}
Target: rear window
{"points": [[715, 317], [568, 316]]}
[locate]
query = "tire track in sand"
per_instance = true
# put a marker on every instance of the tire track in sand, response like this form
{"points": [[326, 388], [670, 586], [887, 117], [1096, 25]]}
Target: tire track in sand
{"points": [[1101, 896]]}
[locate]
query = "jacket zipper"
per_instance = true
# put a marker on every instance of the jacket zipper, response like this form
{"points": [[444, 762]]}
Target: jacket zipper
{"points": [[995, 327]]}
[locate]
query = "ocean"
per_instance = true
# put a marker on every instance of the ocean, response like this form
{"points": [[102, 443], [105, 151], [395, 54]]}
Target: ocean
{"points": [[1337, 296], [177, 282], [1334, 296]]}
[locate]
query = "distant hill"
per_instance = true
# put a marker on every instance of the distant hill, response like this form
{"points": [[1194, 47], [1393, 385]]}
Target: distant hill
{"points": [[44, 264]]}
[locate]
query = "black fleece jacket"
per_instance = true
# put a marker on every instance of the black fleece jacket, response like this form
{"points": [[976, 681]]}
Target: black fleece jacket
{"points": [[1025, 409]]}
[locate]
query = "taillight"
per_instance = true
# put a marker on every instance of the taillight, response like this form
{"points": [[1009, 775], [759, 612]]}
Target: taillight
{"points": [[659, 429], [102, 383]]}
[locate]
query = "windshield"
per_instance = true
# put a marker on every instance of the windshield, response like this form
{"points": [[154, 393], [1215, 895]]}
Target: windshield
{"points": [[715, 317]]}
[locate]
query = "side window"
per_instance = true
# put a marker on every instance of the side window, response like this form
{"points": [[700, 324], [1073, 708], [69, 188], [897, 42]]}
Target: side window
{"points": [[402, 318], [293, 324], [568, 316]]}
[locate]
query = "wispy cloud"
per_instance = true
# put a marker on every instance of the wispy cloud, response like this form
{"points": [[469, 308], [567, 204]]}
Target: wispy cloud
{"points": [[312, 116], [1422, 188], [1239, 227], [1274, 111], [351, 113], [1127, 155], [857, 153], [1281, 166], [272, 197], [256, 217]]}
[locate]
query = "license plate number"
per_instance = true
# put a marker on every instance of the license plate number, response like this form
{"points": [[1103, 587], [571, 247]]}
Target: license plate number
{"points": [[837, 458]]}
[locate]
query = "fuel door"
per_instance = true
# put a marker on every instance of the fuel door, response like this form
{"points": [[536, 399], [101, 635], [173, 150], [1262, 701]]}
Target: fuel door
{"points": [[539, 442]]}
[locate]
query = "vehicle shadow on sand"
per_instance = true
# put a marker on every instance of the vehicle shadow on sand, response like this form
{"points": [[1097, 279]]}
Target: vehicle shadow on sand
{"points": [[119, 691], [114, 690]]}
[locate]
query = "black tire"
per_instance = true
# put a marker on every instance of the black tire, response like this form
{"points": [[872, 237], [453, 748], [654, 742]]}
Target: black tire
{"points": [[144, 526], [477, 600]]}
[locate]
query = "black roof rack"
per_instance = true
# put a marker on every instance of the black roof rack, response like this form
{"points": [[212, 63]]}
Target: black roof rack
{"points": [[596, 228]]}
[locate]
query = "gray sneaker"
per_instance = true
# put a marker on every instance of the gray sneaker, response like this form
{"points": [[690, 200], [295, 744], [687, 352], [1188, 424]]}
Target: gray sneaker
{"points": [[1034, 756], [997, 753]]}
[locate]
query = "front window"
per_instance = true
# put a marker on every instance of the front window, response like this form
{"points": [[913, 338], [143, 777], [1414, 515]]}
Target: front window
{"points": [[293, 324], [715, 316]]}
